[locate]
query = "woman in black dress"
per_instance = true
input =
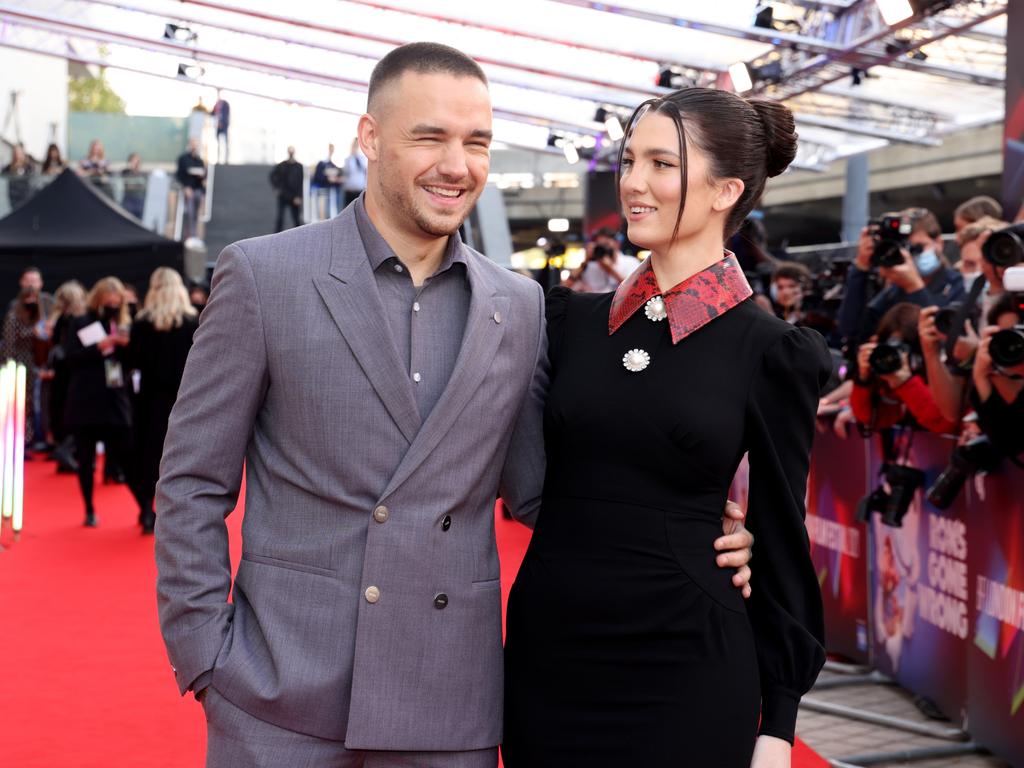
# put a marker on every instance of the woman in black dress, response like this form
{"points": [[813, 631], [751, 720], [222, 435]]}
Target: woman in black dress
{"points": [[97, 408], [160, 342], [626, 645]]}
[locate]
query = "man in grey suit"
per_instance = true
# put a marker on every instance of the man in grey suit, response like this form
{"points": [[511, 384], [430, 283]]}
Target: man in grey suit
{"points": [[381, 383]]}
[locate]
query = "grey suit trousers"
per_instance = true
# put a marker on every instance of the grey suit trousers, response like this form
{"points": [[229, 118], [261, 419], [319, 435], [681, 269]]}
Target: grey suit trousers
{"points": [[236, 739]]}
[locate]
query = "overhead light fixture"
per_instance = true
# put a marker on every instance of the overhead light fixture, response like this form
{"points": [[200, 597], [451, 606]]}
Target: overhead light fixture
{"points": [[190, 71], [614, 128], [740, 76], [179, 34], [572, 155], [587, 141], [894, 11], [558, 225]]}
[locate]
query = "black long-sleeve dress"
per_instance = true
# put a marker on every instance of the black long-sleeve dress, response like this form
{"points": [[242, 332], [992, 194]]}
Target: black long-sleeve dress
{"points": [[160, 357], [626, 643]]}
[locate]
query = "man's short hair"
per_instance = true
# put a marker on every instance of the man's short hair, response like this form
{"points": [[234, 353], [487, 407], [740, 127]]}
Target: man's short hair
{"points": [[923, 220], [608, 232], [977, 208], [30, 270], [792, 270], [423, 58]]}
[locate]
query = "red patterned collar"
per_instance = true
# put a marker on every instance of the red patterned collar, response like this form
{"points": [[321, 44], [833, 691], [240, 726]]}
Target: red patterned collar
{"points": [[693, 303]]}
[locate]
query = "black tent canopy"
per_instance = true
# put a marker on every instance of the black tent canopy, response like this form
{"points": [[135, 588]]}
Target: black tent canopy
{"points": [[72, 232]]}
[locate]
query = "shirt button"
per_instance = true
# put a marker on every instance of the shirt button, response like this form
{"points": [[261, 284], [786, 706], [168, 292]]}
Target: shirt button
{"points": [[415, 306], [446, 522], [398, 267], [380, 514], [372, 594], [417, 378], [441, 601], [497, 317]]}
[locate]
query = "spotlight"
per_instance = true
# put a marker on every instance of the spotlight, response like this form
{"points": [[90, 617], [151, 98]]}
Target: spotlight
{"points": [[558, 225], [614, 128], [190, 71], [740, 75], [572, 155], [894, 11], [179, 34]]}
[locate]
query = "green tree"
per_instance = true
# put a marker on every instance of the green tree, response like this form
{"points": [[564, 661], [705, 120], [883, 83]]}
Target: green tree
{"points": [[93, 94]]}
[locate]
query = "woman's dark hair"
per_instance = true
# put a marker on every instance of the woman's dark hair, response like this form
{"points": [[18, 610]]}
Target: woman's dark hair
{"points": [[747, 139], [1005, 305], [902, 319], [795, 271], [424, 58], [49, 162]]}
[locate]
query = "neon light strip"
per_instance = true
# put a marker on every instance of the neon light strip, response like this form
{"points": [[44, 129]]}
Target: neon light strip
{"points": [[18, 489], [7, 432]]}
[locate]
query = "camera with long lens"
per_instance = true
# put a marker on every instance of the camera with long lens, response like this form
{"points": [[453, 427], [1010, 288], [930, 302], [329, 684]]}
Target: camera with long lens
{"points": [[892, 504], [887, 358], [889, 234], [944, 317], [601, 252], [1007, 347], [1005, 247], [977, 455]]}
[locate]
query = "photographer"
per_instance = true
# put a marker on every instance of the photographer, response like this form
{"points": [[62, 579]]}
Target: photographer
{"points": [[605, 266], [908, 257], [889, 382], [999, 377]]}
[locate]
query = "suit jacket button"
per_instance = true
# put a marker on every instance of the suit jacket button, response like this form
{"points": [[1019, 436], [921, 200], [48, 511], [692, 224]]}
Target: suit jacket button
{"points": [[372, 594], [380, 514], [441, 601], [446, 522]]}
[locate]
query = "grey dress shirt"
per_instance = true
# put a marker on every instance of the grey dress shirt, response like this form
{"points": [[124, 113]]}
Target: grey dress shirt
{"points": [[427, 321]]}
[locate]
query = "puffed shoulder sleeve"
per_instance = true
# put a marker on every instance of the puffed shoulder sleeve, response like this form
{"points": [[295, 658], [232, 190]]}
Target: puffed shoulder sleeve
{"points": [[556, 307], [785, 607]]}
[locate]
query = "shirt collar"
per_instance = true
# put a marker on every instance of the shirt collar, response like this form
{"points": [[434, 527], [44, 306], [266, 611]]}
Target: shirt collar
{"points": [[692, 304], [378, 251]]}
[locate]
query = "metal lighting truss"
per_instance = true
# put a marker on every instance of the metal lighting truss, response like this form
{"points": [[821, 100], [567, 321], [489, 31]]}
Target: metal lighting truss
{"points": [[853, 82]]}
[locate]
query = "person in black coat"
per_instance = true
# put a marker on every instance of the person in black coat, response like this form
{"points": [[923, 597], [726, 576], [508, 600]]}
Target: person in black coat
{"points": [[286, 179], [97, 407], [69, 303], [160, 341]]}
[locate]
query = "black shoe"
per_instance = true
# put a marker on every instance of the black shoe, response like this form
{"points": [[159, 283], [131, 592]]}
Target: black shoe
{"points": [[148, 523], [90, 520], [115, 479]]}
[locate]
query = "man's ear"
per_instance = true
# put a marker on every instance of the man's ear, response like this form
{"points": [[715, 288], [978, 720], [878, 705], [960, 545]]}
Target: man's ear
{"points": [[729, 192], [368, 134]]}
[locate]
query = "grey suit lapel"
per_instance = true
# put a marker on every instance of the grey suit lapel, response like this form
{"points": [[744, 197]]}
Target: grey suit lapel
{"points": [[484, 329], [350, 293]]}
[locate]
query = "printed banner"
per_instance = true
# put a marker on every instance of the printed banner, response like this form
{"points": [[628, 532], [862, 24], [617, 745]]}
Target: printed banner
{"points": [[839, 544], [995, 656], [921, 590]]}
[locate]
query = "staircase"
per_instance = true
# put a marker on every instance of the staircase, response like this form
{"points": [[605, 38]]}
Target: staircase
{"points": [[244, 205]]}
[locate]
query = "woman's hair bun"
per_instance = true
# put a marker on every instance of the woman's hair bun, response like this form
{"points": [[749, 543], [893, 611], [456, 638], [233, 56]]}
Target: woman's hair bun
{"points": [[780, 134]]}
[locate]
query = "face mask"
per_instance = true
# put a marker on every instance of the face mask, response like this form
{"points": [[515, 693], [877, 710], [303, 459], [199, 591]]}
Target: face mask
{"points": [[926, 262], [969, 280]]}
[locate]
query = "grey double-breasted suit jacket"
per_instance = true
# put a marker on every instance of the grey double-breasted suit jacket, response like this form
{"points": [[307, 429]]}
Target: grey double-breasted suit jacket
{"points": [[358, 517]]}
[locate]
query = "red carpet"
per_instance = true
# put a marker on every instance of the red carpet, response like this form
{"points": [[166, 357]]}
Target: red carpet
{"points": [[86, 682]]}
